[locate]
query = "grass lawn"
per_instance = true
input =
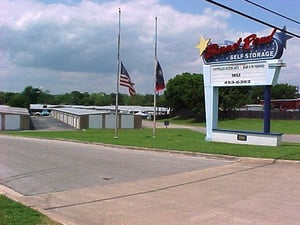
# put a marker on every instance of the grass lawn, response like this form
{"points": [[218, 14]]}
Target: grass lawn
{"points": [[14, 213], [170, 139], [277, 126]]}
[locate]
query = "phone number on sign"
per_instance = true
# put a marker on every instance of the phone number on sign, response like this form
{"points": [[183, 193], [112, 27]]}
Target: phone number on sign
{"points": [[237, 82]]}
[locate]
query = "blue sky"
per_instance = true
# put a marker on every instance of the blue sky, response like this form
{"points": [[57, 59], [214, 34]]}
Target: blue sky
{"points": [[66, 45]]}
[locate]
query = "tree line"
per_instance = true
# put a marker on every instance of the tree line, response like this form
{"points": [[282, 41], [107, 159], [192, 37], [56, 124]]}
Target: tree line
{"points": [[32, 95], [184, 94]]}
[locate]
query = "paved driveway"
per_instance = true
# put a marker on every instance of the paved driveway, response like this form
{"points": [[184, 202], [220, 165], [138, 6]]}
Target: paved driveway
{"points": [[48, 123]]}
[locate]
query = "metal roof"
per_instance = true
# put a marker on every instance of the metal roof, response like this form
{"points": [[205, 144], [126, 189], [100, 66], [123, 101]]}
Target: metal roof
{"points": [[13, 110], [80, 112], [109, 107]]}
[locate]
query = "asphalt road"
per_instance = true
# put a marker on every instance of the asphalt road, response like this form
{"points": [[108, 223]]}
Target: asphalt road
{"points": [[35, 166], [83, 184]]}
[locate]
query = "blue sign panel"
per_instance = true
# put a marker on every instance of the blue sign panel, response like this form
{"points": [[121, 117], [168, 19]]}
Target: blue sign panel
{"points": [[271, 50], [251, 48]]}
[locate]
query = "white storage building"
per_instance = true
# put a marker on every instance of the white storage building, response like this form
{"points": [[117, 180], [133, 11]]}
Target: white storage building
{"points": [[13, 118], [97, 119]]}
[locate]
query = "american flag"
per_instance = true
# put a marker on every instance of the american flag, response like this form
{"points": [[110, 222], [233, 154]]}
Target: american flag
{"points": [[126, 81]]}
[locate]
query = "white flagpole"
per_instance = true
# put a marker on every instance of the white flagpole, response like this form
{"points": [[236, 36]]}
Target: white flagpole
{"points": [[155, 65], [118, 79]]}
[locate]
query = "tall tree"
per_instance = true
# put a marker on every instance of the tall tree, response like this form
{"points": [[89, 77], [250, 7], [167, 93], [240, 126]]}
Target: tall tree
{"points": [[284, 91], [18, 100], [2, 98], [30, 95], [186, 92], [278, 91], [233, 97]]}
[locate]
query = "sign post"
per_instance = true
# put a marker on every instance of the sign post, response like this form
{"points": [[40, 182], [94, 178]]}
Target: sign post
{"points": [[267, 109]]}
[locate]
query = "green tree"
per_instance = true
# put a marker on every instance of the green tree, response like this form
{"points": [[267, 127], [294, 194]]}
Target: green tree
{"points": [[18, 100], [283, 91], [2, 98], [278, 91], [185, 92], [231, 98], [256, 94], [30, 96], [134, 100], [97, 99], [77, 98], [148, 100]]}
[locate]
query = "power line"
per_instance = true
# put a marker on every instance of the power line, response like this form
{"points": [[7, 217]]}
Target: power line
{"points": [[252, 18], [269, 10]]}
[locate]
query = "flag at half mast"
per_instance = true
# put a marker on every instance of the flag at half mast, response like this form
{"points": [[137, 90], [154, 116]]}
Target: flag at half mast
{"points": [[125, 80], [160, 82]]}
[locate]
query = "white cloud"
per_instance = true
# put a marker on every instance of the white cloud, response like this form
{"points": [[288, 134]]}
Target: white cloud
{"points": [[290, 73], [66, 47]]}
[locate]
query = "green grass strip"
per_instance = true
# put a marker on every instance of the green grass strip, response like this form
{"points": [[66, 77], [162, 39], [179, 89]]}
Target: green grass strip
{"points": [[277, 126], [14, 213], [169, 139]]}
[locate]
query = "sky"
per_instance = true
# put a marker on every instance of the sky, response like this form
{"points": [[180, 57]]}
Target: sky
{"points": [[61, 46]]}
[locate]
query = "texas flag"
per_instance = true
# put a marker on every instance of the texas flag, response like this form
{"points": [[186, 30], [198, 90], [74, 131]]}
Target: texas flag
{"points": [[160, 83]]}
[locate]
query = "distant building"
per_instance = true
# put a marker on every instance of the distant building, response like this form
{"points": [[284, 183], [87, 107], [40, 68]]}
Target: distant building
{"points": [[99, 119], [252, 107], [285, 104]]}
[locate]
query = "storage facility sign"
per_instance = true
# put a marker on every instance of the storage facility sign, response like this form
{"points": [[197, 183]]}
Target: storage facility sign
{"points": [[250, 61], [250, 48]]}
